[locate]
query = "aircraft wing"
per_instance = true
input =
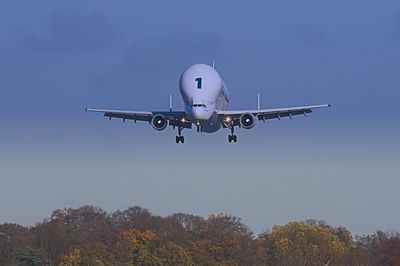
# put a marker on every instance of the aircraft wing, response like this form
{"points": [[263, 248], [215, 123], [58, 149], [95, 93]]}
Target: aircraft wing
{"points": [[264, 114], [174, 118]]}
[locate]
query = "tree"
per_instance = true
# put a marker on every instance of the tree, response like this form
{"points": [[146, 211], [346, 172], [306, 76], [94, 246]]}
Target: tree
{"points": [[388, 248], [182, 228], [136, 248], [72, 259], [230, 224], [68, 228], [89, 225], [14, 240], [224, 240], [95, 255], [381, 248], [136, 218], [298, 243], [90, 236], [51, 236], [31, 257], [172, 254]]}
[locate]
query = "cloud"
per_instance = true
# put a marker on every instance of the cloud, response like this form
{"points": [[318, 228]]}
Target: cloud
{"points": [[308, 34], [68, 31]]}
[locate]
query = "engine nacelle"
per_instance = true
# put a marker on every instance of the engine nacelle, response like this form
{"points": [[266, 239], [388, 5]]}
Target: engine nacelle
{"points": [[247, 121], [159, 122]]}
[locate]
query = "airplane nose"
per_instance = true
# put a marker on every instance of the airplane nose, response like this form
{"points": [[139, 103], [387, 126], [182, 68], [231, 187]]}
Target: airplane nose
{"points": [[200, 114]]}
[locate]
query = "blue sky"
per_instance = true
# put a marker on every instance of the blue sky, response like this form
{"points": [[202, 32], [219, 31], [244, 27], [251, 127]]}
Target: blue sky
{"points": [[339, 165]]}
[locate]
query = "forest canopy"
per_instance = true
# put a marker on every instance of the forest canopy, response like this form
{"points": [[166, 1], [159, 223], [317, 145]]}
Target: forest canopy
{"points": [[90, 236]]}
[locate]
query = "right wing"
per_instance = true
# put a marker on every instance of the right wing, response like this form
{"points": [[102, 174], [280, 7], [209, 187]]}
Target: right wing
{"points": [[265, 114], [174, 118]]}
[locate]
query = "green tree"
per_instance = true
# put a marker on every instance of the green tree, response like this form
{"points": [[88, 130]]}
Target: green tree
{"points": [[31, 257], [15, 239]]}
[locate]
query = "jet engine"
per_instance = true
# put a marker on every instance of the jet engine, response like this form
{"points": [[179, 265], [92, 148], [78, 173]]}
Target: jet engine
{"points": [[247, 121], [159, 122]]}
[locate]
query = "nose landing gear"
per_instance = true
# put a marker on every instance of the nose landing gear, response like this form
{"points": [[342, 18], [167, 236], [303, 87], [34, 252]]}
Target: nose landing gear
{"points": [[199, 128]]}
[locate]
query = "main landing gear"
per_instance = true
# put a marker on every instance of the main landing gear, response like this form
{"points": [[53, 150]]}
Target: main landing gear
{"points": [[232, 136], [180, 138]]}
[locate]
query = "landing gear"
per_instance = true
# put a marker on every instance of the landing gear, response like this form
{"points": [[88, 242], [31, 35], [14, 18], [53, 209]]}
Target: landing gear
{"points": [[232, 136], [199, 127], [180, 138]]}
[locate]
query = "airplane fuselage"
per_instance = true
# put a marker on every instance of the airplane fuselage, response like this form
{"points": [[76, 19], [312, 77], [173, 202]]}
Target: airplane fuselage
{"points": [[203, 92]]}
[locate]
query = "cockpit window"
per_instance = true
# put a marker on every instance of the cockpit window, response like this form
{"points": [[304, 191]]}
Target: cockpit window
{"points": [[199, 105]]}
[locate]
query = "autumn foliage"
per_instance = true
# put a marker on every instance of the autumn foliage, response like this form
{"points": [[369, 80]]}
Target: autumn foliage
{"points": [[91, 236]]}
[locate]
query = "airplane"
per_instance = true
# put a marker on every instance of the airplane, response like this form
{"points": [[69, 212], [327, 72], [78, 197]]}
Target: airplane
{"points": [[206, 100]]}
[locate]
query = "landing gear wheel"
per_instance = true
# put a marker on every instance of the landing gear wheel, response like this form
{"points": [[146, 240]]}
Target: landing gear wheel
{"points": [[179, 139], [232, 138]]}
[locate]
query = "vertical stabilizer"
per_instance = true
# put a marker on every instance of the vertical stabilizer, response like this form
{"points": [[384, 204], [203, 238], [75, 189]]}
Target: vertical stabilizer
{"points": [[170, 102], [213, 64], [258, 101]]}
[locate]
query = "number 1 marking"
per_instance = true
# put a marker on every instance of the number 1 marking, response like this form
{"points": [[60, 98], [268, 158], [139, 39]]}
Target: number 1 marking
{"points": [[198, 80]]}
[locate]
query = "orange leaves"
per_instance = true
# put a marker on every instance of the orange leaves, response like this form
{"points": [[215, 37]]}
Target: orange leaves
{"points": [[298, 243], [135, 247], [90, 236]]}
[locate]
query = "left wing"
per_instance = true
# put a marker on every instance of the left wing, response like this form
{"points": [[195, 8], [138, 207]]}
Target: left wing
{"points": [[264, 114], [174, 118]]}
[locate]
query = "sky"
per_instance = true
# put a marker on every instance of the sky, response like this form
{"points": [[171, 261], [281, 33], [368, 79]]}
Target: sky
{"points": [[340, 164]]}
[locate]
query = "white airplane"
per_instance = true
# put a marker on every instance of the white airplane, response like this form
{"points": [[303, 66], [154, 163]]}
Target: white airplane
{"points": [[206, 100]]}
